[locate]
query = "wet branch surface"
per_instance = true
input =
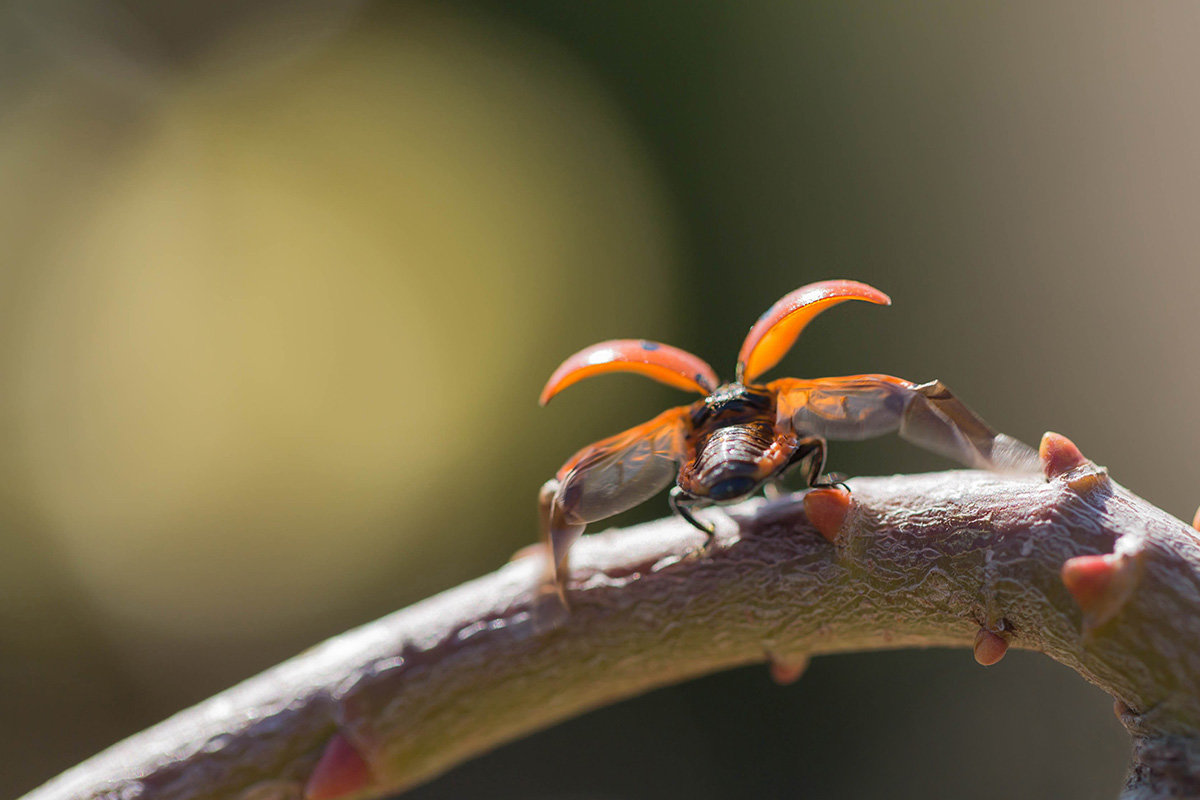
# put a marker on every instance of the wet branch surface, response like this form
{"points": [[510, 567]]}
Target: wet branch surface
{"points": [[1073, 566]]}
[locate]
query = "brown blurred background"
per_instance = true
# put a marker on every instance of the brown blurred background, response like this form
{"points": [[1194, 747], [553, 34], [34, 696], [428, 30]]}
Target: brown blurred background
{"points": [[281, 281]]}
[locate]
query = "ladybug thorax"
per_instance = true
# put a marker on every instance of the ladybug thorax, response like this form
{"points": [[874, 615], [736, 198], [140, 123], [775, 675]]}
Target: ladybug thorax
{"points": [[734, 444], [733, 403]]}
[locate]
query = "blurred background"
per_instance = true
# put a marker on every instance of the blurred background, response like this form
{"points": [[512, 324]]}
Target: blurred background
{"points": [[281, 282]]}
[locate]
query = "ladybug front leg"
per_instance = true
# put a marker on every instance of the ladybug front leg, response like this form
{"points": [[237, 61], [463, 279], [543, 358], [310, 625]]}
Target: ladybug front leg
{"points": [[808, 459]]}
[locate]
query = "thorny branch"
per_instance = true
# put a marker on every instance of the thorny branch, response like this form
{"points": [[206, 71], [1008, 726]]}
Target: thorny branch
{"points": [[1073, 566]]}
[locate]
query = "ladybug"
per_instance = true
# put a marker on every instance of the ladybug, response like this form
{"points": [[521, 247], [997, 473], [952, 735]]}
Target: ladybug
{"points": [[745, 435]]}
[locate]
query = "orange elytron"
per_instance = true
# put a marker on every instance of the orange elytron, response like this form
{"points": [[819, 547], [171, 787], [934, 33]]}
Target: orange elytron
{"points": [[745, 435]]}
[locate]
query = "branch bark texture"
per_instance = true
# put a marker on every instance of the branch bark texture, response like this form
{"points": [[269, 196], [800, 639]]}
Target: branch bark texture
{"points": [[1073, 566]]}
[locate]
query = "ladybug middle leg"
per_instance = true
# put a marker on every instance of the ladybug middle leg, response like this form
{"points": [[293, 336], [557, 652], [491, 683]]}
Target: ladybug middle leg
{"points": [[809, 458]]}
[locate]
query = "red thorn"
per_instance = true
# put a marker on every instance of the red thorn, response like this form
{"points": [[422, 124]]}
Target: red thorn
{"points": [[786, 671], [1059, 455], [1196, 520], [1088, 579], [990, 647], [340, 771], [1101, 584], [827, 510]]}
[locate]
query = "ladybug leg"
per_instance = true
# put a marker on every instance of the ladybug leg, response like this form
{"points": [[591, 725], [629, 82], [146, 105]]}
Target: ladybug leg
{"points": [[813, 449], [559, 532], [809, 458], [682, 504], [832, 480]]}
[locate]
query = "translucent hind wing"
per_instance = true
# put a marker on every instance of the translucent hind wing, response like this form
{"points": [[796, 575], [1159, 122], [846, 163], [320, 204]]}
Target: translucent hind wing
{"points": [[617, 473], [928, 415], [937, 420], [606, 478]]}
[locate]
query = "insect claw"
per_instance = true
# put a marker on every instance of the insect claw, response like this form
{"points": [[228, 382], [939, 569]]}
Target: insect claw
{"points": [[832, 480]]}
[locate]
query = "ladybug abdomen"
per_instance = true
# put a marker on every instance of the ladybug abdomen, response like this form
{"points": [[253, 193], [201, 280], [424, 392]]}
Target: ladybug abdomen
{"points": [[731, 461]]}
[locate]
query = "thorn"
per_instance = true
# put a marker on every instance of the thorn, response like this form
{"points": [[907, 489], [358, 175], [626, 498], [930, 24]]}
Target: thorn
{"points": [[1059, 455], [1062, 459], [1196, 520], [827, 510], [340, 771], [1101, 585], [1088, 578], [990, 647], [786, 670]]}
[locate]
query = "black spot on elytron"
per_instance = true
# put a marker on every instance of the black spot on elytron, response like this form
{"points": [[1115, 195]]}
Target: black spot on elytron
{"points": [[649, 345]]}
